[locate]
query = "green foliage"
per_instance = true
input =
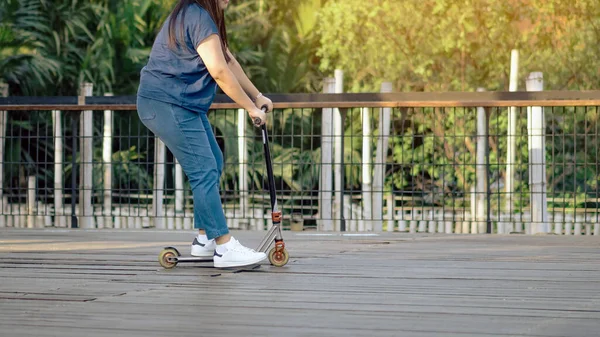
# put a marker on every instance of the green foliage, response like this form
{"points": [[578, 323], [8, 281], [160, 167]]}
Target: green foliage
{"points": [[26, 37], [28, 151], [276, 43], [435, 151], [444, 45], [51, 46], [573, 155], [128, 174], [48, 47]]}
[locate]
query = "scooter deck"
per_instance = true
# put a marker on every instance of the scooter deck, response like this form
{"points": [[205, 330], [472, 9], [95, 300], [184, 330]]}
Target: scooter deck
{"points": [[197, 259], [182, 259], [170, 257]]}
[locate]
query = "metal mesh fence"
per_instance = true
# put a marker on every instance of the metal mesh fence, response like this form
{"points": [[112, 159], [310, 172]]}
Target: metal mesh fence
{"points": [[409, 169]]}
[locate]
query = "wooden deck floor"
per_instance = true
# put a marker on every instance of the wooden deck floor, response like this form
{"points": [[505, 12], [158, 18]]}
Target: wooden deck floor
{"points": [[108, 283]]}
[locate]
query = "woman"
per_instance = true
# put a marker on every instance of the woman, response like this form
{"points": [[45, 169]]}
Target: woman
{"points": [[189, 58]]}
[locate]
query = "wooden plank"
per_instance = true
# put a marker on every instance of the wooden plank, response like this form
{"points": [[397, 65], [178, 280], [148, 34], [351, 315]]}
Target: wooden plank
{"points": [[229, 321], [100, 283], [27, 296]]}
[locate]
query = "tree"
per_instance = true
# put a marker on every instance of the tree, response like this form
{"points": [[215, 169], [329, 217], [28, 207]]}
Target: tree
{"points": [[39, 42], [443, 45], [276, 43]]}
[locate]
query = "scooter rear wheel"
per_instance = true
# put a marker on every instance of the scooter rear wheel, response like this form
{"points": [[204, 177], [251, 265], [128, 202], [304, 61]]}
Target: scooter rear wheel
{"points": [[279, 258], [165, 255]]}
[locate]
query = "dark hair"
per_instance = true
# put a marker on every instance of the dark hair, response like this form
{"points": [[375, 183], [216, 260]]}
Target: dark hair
{"points": [[212, 7]]}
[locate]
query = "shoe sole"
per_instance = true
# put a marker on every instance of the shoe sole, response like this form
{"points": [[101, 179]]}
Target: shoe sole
{"points": [[207, 254], [238, 264], [202, 256]]}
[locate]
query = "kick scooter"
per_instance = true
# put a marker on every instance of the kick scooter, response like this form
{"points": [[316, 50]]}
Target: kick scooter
{"points": [[169, 257]]}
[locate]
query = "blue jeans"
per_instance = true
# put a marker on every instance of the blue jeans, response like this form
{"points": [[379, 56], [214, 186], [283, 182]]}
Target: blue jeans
{"points": [[189, 136]]}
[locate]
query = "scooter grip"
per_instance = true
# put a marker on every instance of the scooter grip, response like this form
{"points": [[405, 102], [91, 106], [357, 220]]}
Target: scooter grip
{"points": [[257, 121]]}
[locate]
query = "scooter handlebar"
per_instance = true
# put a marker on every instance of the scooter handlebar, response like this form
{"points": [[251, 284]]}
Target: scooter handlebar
{"points": [[258, 121]]}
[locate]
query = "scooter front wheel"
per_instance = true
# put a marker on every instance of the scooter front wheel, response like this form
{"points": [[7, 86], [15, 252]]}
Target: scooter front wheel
{"points": [[279, 257]]}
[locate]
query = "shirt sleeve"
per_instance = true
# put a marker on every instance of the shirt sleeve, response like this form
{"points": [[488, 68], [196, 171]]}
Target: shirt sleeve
{"points": [[199, 25]]}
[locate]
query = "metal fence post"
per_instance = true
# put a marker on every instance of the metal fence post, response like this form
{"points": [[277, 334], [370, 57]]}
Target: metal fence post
{"points": [[159, 184], [180, 222], [367, 158], [107, 165], [511, 147], [3, 122], [60, 220], [74, 222], [86, 216], [537, 163], [488, 192], [243, 164], [32, 202], [480, 169], [326, 174], [380, 162], [338, 131], [343, 171]]}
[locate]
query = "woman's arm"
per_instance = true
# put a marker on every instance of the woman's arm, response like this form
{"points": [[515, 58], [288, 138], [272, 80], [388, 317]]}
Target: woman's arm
{"points": [[211, 53], [247, 85]]}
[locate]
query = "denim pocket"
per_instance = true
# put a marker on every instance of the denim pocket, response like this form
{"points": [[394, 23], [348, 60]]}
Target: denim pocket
{"points": [[145, 109]]}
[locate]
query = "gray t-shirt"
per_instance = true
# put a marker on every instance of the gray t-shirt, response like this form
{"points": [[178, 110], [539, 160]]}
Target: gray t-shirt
{"points": [[178, 75]]}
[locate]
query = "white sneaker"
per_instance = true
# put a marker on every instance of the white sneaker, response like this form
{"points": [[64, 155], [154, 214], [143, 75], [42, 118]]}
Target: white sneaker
{"points": [[200, 249], [236, 255]]}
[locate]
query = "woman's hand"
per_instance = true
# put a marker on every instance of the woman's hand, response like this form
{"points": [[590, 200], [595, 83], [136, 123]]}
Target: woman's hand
{"points": [[257, 113], [264, 101]]}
